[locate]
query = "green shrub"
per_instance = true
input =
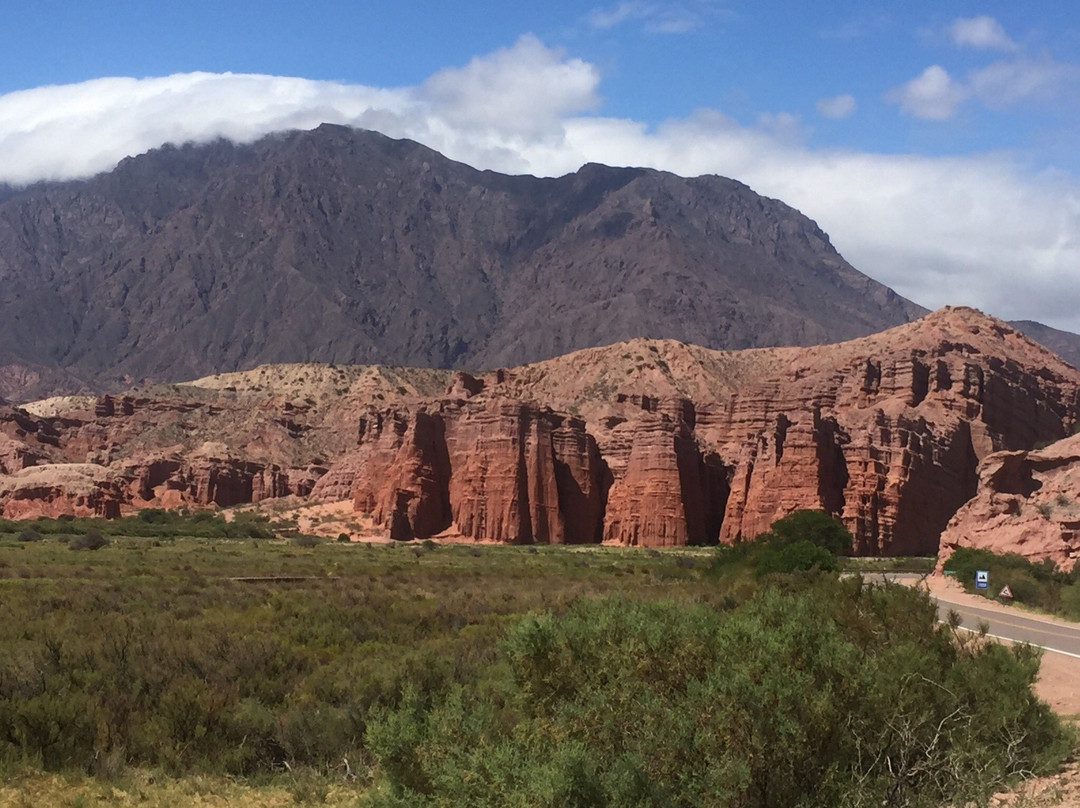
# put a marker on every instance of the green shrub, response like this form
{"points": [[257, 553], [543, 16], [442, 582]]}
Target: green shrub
{"points": [[801, 541], [28, 535], [91, 540], [799, 556], [834, 694], [1038, 585], [815, 527]]}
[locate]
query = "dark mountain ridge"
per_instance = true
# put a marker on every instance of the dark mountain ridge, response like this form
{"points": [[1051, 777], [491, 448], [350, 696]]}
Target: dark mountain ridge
{"points": [[341, 245], [1064, 343]]}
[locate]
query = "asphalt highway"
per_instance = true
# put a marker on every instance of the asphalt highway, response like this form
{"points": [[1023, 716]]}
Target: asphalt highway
{"points": [[1005, 623], [1053, 635]]}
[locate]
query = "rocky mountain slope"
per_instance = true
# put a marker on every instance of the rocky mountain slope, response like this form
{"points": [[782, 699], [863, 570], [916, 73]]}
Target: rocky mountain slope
{"points": [[339, 245], [645, 442], [1064, 343]]}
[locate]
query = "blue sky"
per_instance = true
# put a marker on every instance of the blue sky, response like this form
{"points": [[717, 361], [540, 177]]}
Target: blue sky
{"points": [[936, 142]]}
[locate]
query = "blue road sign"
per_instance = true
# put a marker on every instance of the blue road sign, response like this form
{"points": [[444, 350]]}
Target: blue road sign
{"points": [[982, 579]]}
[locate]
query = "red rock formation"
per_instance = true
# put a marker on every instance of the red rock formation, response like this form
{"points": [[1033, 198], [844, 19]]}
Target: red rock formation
{"points": [[493, 470], [503, 485], [54, 490], [1028, 502], [675, 444], [886, 431], [582, 479], [403, 473], [665, 493], [16, 455], [209, 478]]}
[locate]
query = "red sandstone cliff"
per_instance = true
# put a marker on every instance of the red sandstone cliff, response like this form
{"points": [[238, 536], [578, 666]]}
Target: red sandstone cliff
{"points": [[491, 470], [667, 444], [78, 489]]}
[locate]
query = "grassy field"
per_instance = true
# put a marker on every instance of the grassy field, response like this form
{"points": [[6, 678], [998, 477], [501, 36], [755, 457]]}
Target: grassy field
{"points": [[144, 665], [188, 622]]}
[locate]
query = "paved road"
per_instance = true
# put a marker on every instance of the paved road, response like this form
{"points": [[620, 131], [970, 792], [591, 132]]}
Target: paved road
{"points": [[1063, 638], [1012, 624]]}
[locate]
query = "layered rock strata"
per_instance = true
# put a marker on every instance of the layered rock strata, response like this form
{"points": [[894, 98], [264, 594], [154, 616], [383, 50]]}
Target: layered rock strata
{"points": [[667, 444], [78, 489], [493, 470]]}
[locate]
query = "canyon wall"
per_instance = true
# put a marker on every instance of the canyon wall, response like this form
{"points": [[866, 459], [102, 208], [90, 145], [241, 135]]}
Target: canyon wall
{"points": [[645, 443]]}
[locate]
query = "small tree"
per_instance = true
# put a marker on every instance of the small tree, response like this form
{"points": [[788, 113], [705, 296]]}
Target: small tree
{"points": [[816, 527]]}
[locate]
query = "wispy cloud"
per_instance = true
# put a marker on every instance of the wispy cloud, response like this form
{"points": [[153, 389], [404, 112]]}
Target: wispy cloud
{"points": [[659, 18], [978, 230], [1012, 81], [837, 107], [984, 33]]}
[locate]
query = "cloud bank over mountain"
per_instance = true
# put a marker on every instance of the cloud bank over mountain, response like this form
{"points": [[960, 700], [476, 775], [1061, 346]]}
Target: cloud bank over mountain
{"points": [[982, 230]]}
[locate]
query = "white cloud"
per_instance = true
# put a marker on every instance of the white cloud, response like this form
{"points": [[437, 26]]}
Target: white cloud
{"points": [[80, 129], [782, 125], [526, 89], [840, 106], [978, 230], [932, 95], [984, 33], [935, 95]]}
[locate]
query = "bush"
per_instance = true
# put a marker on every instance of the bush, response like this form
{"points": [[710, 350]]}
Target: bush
{"points": [[838, 694], [91, 540], [799, 556], [1039, 585], [815, 527], [28, 535], [801, 541], [155, 516]]}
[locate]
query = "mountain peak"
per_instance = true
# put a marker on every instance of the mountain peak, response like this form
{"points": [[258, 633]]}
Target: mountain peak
{"points": [[344, 245]]}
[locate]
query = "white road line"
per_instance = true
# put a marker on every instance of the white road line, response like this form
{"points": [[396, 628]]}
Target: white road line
{"points": [[1013, 639]]}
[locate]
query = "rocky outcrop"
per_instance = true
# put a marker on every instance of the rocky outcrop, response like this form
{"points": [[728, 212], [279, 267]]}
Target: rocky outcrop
{"points": [[495, 470], [665, 491], [16, 455], [210, 476], [403, 473], [54, 490], [1028, 502], [886, 432], [668, 444]]}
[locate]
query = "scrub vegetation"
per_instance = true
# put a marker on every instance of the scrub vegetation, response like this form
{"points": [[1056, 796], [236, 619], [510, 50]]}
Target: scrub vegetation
{"points": [[1039, 586], [165, 668]]}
